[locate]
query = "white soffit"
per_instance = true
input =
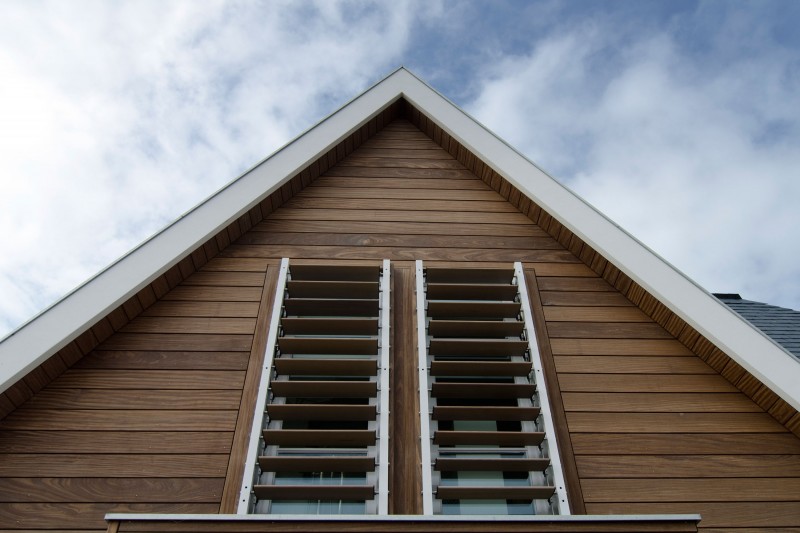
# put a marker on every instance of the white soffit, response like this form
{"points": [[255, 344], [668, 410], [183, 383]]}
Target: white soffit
{"points": [[34, 342]]}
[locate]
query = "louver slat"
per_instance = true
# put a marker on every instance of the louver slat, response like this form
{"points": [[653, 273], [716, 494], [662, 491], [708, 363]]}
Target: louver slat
{"points": [[445, 464], [483, 390], [469, 275], [487, 310], [313, 437], [484, 413], [472, 291], [314, 492], [329, 326], [480, 368], [475, 328], [332, 289], [500, 438], [335, 273], [325, 389], [342, 412], [317, 464], [488, 347], [313, 307], [326, 367], [328, 345], [494, 493]]}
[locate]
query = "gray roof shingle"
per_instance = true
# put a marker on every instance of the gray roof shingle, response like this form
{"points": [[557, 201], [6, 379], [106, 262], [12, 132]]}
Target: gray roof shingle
{"points": [[779, 323]]}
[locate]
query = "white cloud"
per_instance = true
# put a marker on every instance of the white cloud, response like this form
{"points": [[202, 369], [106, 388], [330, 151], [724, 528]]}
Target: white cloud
{"points": [[696, 155], [117, 117]]}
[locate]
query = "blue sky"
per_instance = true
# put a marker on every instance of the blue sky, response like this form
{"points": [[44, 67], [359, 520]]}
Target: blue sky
{"points": [[679, 120]]}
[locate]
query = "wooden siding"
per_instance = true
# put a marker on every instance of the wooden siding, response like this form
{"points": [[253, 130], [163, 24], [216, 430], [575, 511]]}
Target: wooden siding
{"points": [[155, 417]]}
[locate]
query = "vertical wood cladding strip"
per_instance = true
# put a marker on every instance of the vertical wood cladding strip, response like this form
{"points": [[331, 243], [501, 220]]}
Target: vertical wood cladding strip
{"points": [[405, 481], [244, 421], [568, 465]]}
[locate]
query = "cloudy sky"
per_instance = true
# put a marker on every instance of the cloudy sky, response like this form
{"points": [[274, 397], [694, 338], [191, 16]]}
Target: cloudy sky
{"points": [[679, 120]]}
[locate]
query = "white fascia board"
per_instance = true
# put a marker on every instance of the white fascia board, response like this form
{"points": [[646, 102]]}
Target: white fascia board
{"points": [[744, 343], [35, 341]]}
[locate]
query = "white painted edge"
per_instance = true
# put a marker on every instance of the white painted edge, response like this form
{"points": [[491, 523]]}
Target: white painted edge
{"points": [[41, 337], [263, 388], [383, 452], [541, 391], [742, 341], [422, 378], [398, 518]]}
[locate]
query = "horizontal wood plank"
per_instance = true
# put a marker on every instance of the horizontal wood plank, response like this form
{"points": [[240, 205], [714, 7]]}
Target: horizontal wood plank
{"points": [[732, 490], [159, 360], [396, 240], [723, 515], [119, 420], [52, 398], [594, 314], [690, 466], [178, 341], [214, 294], [631, 364], [659, 402], [191, 325], [63, 516], [416, 193], [686, 443], [226, 279], [114, 465], [476, 206], [607, 330], [624, 423], [398, 215], [149, 379], [114, 489], [202, 309], [618, 347], [603, 299], [109, 442], [644, 383]]}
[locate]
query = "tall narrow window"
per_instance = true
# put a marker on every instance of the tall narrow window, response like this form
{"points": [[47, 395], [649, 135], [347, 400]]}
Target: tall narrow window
{"points": [[322, 445], [485, 412]]}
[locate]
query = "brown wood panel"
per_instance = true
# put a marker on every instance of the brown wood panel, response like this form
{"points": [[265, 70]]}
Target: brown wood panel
{"points": [[113, 465], [574, 284], [405, 474], [643, 383], [631, 364], [502, 231], [395, 204], [308, 437], [214, 294], [552, 269], [398, 215], [224, 264], [466, 183], [119, 420], [633, 402], [690, 466], [486, 493], [431, 151], [52, 398], [108, 442], [416, 193], [394, 162], [401, 172], [314, 492], [202, 309], [618, 347], [226, 279], [723, 515], [150, 379], [115, 489], [607, 330], [178, 341], [190, 325], [672, 423], [732, 490], [406, 241], [158, 360], [70, 516], [584, 298], [594, 314], [679, 443], [398, 254]]}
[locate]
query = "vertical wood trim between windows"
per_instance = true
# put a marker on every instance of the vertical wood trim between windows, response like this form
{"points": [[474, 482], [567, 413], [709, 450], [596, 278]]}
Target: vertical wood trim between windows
{"points": [[405, 477], [244, 421], [568, 465]]}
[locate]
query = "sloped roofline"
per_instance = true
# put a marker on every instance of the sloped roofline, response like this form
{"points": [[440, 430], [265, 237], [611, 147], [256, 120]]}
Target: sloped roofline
{"points": [[48, 332]]}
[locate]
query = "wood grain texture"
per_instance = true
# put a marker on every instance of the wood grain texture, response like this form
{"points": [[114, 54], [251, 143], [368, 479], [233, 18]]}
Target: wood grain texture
{"points": [[119, 420], [643, 383], [686, 443], [113, 465], [672, 423], [629, 364], [113, 489], [659, 402], [114, 442]]}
